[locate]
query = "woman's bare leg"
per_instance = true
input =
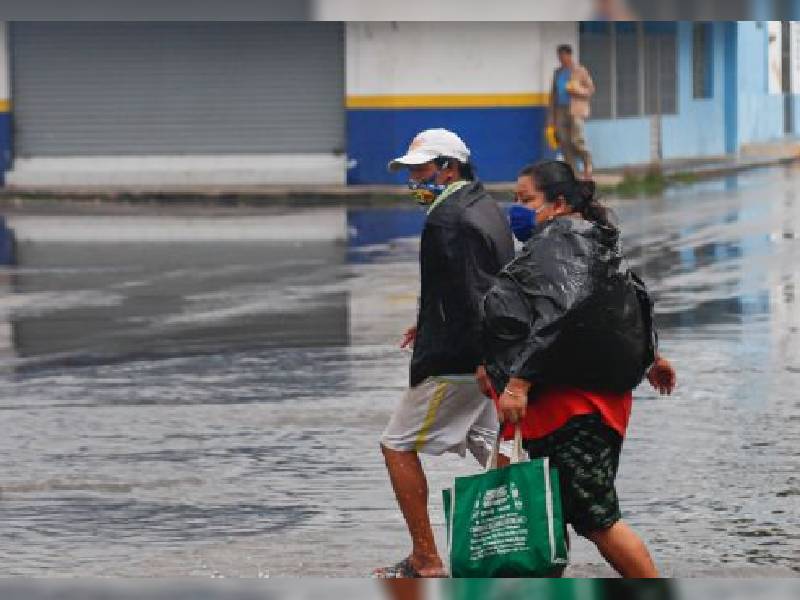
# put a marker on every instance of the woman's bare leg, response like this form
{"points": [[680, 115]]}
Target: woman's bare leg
{"points": [[625, 551]]}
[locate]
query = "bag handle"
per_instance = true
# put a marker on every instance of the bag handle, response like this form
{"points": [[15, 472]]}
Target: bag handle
{"points": [[516, 448], [491, 464]]}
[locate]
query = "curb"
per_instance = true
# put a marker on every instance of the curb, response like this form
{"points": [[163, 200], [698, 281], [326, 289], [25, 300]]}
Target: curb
{"points": [[623, 182]]}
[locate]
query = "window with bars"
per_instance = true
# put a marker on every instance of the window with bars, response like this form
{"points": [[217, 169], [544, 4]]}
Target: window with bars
{"points": [[595, 55], [702, 61], [634, 67], [627, 63], [660, 69]]}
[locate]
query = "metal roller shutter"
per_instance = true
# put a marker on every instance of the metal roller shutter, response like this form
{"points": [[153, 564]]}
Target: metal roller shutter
{"points": [[110, 88]]}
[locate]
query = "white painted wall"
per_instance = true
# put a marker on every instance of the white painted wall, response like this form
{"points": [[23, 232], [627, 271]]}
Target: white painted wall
{"points": [[452, 10], [324, 224], [794, 56], [5, 71], [171, 171], [453, 57]]}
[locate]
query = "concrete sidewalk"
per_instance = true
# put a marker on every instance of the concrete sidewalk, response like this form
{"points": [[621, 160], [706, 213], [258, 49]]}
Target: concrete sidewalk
{"points": [[609, 180], [752, 156]]}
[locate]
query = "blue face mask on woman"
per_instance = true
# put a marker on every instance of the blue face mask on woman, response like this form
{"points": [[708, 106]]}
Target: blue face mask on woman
{"points": [[522, 220]]}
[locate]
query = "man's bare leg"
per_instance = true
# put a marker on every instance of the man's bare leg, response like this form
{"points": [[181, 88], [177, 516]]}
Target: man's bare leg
{"points": [[411, 490], [569, 155], [586, 158]]}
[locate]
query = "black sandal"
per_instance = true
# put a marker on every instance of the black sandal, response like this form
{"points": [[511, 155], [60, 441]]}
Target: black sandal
{"points": [[402, 570]]}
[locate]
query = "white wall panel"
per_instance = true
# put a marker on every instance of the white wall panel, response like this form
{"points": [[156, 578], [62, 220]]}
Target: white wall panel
{"points": [[453, 58]]}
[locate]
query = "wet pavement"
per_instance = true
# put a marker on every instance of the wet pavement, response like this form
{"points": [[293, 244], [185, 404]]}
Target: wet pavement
{"points": [[212, 407]]}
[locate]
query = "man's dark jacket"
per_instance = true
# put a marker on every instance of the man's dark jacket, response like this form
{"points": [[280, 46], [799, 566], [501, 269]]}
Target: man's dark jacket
{"points": [[465, 242]]}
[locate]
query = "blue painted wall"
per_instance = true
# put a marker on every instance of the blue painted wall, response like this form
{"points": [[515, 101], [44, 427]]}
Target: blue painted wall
{"points": [[697, 130], [618, 142], [699, 127], [731, 33], [5, 145], [368, 227], [7, 246], [740, 111], [795, 115], [370, 232], [501, 139], [760, 114]]}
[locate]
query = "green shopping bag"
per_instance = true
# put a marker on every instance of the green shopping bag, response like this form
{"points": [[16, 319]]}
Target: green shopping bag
{"points": [[506, 522]]}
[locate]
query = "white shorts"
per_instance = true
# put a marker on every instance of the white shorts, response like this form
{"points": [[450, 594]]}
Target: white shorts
{"points": [[444, 414]]}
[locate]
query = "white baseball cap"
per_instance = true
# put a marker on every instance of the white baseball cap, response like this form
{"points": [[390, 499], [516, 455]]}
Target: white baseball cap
{"points": [[430, 144]]}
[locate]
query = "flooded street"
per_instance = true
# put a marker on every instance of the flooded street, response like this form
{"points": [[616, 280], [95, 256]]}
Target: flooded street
{"points": [[197, 404]]}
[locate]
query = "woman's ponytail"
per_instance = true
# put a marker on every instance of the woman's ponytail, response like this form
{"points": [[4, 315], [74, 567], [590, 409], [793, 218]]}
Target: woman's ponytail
{"points": [[590, 207]]}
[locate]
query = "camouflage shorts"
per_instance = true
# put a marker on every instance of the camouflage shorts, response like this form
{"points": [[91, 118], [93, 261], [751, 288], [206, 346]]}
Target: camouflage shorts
{"points": [[586, 453]]}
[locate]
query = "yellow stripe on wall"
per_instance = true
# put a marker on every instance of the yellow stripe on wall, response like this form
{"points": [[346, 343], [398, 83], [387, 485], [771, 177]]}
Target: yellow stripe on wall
{"points": [[430, 417], [5, 105], [448, 100]]}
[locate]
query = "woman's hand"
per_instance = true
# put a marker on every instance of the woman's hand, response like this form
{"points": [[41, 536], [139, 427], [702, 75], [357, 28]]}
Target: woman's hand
{"points": [[514, 401], [662, 376]]}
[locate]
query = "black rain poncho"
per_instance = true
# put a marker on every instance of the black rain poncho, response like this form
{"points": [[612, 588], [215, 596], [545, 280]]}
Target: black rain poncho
{"points": [[564, 312]]}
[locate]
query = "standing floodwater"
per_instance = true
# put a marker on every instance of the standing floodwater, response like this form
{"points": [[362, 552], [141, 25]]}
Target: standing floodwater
{"points": [[202, 406]]}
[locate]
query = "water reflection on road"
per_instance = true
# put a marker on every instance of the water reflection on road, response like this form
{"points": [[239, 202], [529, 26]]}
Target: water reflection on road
{"points": [[213, 407]]}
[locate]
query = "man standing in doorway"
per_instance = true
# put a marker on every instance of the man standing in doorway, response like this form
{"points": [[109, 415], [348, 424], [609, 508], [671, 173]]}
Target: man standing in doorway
{"points": [[465, 242], [569, 108]]}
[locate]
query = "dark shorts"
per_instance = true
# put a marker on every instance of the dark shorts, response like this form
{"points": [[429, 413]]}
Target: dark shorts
{"points": [[586, 453]]}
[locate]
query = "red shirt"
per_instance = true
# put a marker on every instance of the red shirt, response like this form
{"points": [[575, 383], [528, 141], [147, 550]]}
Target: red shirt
{"points": [[554, 405]]}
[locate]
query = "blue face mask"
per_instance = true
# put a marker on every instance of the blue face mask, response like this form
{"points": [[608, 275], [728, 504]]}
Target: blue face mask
{"points": [[426, 191], [523, 221]]}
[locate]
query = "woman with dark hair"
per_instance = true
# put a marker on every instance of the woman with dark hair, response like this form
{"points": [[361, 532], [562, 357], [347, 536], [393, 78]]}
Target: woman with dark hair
{"points": [[566, 342]]}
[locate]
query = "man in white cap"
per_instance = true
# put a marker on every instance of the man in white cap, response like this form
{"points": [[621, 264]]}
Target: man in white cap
{"points": [[466, 240]]}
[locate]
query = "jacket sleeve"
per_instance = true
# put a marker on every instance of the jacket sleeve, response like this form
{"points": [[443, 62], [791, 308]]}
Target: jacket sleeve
{"points": [[473, 264], [551, 283], [547, 317], [521, 321]]}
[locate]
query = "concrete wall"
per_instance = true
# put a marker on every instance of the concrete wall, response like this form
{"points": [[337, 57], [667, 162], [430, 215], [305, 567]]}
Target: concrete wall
{"points": [[796, 115], [618, 142], [452, 10], [176, 171], [699, 127], [5, 103], [760, 114], [489, 82]]}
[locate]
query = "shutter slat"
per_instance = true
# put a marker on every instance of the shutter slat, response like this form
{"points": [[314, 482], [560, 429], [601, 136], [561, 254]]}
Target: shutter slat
{"points": [[97, 88]]}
